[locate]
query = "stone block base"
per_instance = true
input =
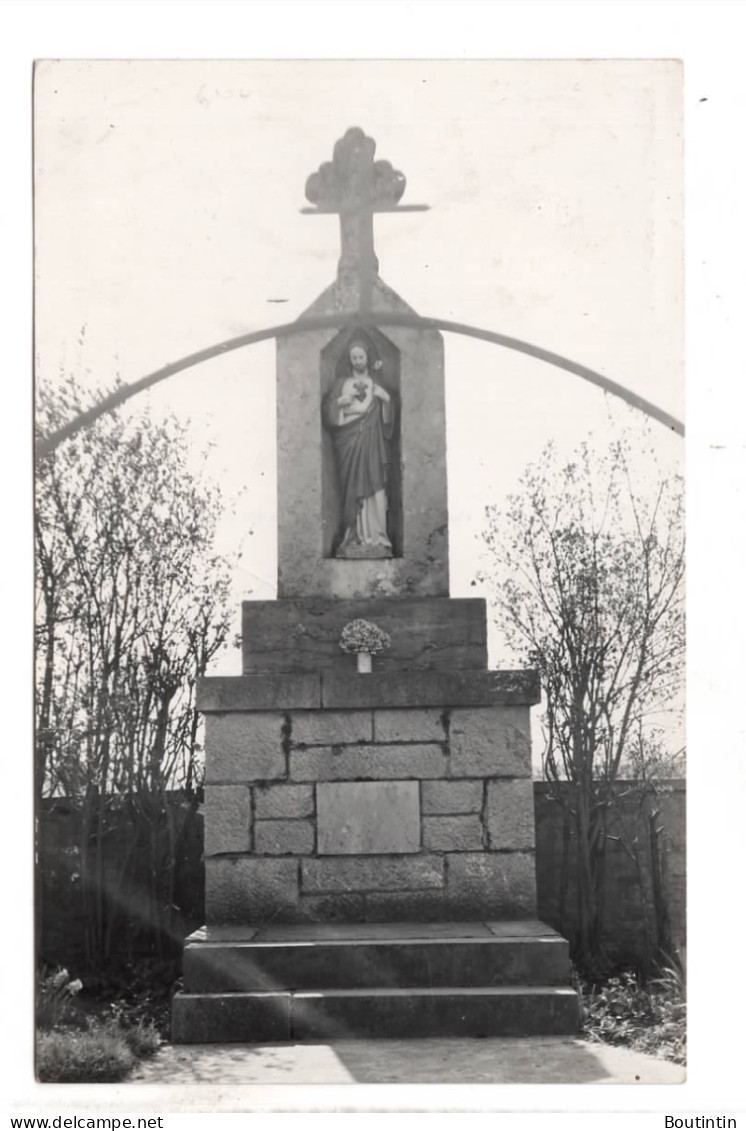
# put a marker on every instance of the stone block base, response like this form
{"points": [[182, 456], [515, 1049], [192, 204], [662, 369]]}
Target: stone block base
{"points": [[364, 811]]}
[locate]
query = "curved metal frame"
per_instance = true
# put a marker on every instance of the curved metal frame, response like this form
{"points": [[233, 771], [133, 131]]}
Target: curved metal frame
{"points": [[47, 444]]}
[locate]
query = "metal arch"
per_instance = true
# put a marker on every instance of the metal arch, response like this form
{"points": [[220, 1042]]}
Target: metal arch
{"points": [[47, 444]]}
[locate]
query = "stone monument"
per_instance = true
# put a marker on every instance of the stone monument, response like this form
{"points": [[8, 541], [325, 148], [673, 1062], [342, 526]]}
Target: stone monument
{"points": [[369, 838]]}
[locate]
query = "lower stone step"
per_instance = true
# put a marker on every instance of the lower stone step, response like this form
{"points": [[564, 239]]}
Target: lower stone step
{"points": [[374, 1013]]}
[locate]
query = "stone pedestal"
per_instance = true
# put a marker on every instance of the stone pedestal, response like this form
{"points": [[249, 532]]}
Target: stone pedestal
{"points": [[339, 797], [382, 803]]}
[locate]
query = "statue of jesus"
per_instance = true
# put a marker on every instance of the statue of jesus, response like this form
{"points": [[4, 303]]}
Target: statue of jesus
{"points": [[360, 413]]}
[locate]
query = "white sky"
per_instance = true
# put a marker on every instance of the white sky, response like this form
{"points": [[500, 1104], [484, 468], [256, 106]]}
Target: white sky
{"points": [[708, 36], [167, 219]]}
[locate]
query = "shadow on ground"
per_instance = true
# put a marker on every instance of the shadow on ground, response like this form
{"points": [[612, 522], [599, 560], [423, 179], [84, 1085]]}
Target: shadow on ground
{"points": [[491, 1060]]}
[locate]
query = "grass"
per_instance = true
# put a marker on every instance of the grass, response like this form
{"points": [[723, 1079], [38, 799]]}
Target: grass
{"points": [[76, 1047], [64, 1056], [648, 1017]]}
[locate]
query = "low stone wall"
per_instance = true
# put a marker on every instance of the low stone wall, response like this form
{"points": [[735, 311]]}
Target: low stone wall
{"points": [[645, 870], [368, 815], [125, 885], [630, 905]]}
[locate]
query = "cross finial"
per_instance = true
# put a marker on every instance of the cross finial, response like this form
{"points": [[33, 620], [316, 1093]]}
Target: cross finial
{"points": [[355, 186]]}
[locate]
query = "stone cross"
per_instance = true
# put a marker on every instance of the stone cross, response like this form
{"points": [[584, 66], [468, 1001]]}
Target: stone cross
{"points": [[355, 186]]}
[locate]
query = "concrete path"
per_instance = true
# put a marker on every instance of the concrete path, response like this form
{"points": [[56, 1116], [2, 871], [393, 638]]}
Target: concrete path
{"points": [[432, 1060]]}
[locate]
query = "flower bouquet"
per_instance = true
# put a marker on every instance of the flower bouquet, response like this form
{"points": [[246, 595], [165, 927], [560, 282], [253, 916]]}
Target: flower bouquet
{"points": [[364, 639]]}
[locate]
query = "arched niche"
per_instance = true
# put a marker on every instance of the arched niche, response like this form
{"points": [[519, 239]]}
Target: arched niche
{"points": [[334, 357]]}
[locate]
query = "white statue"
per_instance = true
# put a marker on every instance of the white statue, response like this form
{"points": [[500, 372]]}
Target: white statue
{"points": [[360, 414]]}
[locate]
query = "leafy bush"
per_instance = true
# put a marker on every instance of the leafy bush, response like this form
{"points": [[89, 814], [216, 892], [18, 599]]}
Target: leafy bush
{"points": [[136, 993], [649, 1018], [142, 1037]]}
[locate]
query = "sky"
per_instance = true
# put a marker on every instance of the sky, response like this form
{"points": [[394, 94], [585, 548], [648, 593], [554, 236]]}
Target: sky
{"points": [[707, 36], [168, 199]]}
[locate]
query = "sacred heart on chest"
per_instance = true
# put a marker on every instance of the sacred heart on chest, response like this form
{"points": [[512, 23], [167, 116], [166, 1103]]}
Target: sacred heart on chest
{"points": [[361, 390]]}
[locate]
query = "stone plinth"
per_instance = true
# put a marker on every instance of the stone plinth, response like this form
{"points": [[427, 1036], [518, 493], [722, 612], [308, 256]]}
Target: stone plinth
{"points": [[316, 982], [360, 811], [233, 694], [306, 480], [302, 634]]}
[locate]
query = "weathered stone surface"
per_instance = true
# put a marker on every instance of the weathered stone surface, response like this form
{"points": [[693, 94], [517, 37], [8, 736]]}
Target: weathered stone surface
{"points": [[305, 369], [368, 818], [452, 796], [283, 838], [220, 1018], [243, 748], [414, 725], [372, 873], [490, 1011], [430, 689], [372, 953], [354, 186], [341, 907], [360, 932], [398, 906], [250, 889], [490, 742], [452, 834], [524, 929], [258, 692], [302, 635], [510, 814], [325, 763], [273, 801], [227, 819], [500, 885], [319, 728]]}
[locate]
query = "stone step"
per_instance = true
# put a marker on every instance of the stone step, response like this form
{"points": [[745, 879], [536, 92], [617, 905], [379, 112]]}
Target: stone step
{"points": [[374, 1013], [252, 965]]}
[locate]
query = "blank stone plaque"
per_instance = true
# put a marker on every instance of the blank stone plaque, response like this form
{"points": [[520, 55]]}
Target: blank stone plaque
{"points": [[356, 818]]}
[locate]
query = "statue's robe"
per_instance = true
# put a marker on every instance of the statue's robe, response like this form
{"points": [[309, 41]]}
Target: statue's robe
{"points": [[362, 457]]}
